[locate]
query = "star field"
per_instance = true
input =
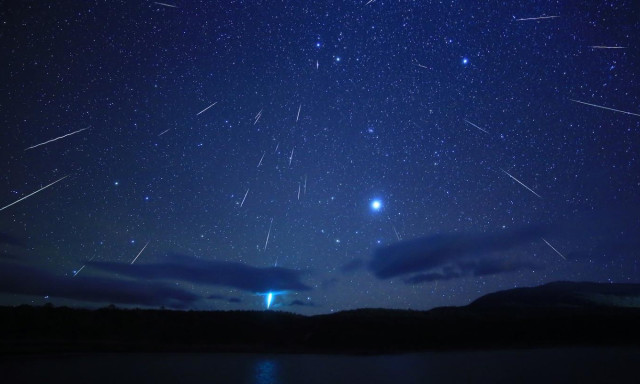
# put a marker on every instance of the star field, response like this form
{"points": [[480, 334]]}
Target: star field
{"points": [[290, 147]]}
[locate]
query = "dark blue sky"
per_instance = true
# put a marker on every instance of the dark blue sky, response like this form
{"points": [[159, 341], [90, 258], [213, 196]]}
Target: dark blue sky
{"points": [[471, 127]]}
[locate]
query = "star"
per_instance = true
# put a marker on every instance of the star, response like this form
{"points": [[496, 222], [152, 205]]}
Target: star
{"points": [[399, 120]]}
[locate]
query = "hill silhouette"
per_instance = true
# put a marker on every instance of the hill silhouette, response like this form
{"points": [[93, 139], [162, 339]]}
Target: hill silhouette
{"points": [[565, 294], [556, 314]]}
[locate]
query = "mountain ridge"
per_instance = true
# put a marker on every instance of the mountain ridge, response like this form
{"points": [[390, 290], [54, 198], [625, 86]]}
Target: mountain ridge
{"points": [[496, 320], [565, 293]]}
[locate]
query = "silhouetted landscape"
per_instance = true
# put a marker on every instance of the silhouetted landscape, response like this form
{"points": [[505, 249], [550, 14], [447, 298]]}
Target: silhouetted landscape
{"points": [[556, 314]]}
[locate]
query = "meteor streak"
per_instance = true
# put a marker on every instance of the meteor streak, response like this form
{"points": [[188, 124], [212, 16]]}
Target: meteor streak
{"points": [[600, 106], [260, 163], [258, 116], [468, 122], [57, 138], [165, 5], [291, 157], [605, 47], [299, 108], [206, 108], [396, 231], [81, 268], [268, 234], [520, 182], [554, 248], [270, 296], [245, 196], [78, 271], [139, 253], [537, 18], [32, 193], [163, 132]]}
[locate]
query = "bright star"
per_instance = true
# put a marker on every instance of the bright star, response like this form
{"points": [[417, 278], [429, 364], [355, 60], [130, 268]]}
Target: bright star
{"points": [[465, 61], [376, 205], [338, 59]]}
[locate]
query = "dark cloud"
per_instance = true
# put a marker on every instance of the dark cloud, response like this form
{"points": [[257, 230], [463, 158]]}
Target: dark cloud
{"points": [[27, 280], [352, 266], [429, 254], [300, 303], [233, 300], [600, 235], [475, 268], [8, 256], [329, 283], [219, 273], [6, 239], [605, 250]]}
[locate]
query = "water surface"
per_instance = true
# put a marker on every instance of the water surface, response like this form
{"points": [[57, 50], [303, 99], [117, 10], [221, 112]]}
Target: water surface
{"points": [[560, 365]]}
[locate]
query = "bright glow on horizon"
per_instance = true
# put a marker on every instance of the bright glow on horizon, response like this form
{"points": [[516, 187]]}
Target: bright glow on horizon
{"points": [[269, 299]]}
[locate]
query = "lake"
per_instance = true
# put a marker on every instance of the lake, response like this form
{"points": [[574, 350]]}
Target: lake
{"points": [[557, 365]]}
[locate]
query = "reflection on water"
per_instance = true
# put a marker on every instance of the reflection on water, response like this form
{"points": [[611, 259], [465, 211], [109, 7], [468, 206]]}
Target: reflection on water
{"points": [[553, 365], [266, 372]]}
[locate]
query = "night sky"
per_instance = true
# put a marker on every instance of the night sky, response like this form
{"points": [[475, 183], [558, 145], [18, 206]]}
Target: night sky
{"points": [[395, 154]]}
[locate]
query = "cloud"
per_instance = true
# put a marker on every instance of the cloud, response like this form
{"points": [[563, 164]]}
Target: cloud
{"points": [[352, 266], [8, 256], [27, 280], [218, 273], [233, 300], [300, 303], [475, 268], [6, 239], [451, 255], [604, 250], [8, 245]]}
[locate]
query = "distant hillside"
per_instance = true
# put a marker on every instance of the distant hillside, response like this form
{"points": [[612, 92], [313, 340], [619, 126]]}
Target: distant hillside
{"points": [[557, 314], [564, 294]]}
